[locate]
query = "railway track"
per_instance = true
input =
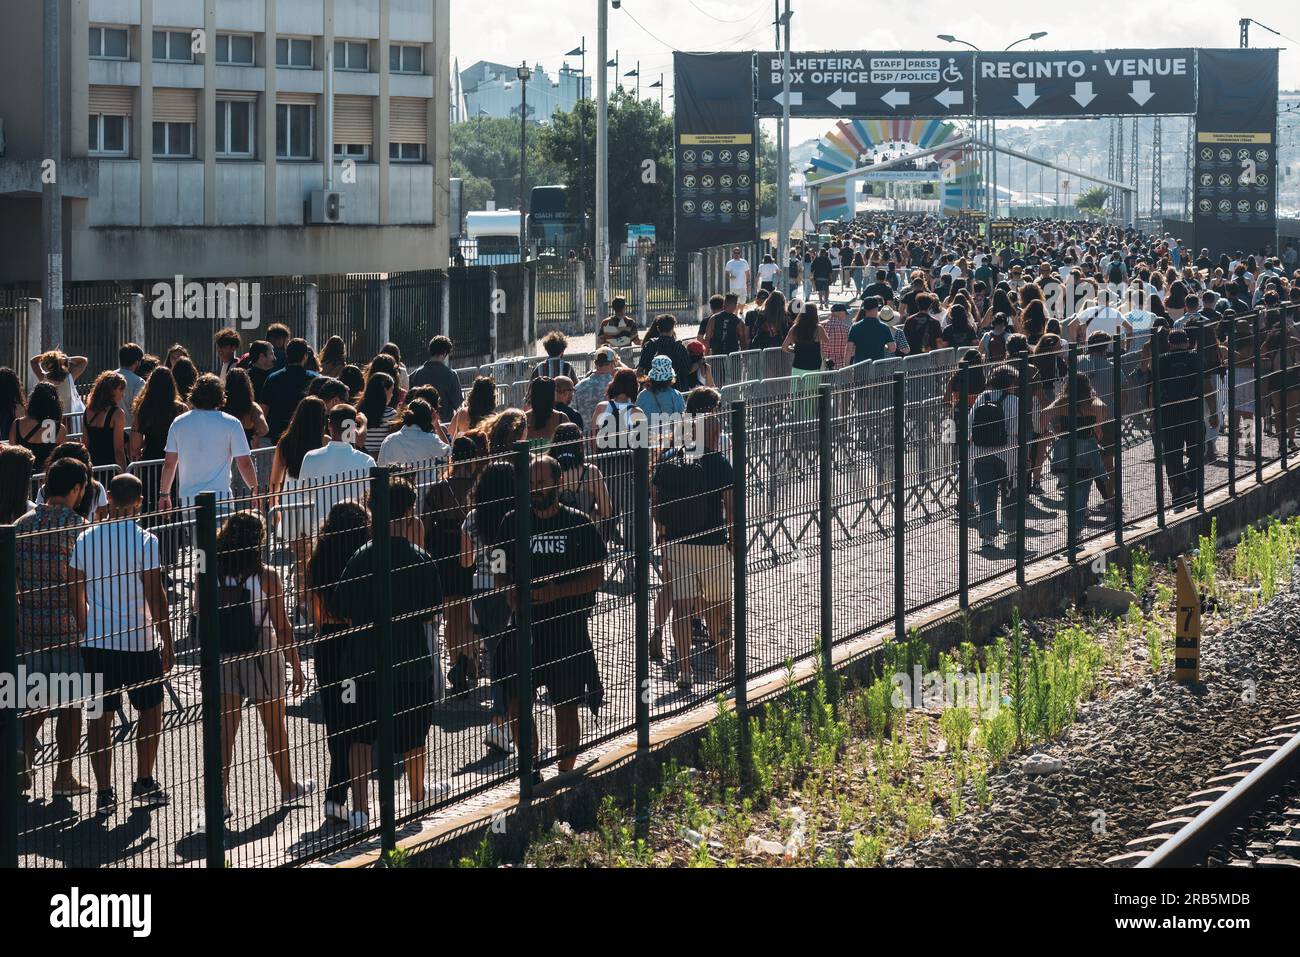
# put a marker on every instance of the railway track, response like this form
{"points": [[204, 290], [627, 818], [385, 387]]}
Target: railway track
{"points": [[1248, 815]]}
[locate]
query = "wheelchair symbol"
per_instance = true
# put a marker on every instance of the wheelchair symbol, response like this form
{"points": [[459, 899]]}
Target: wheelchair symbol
{"points": [[950, 73]]}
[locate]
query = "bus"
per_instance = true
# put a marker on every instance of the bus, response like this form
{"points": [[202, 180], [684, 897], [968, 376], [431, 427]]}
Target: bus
{"points": [[491, 237], [552, 222]]}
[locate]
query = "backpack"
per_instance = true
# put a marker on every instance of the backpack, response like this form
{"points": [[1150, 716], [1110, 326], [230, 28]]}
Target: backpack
{"points": [[1178, 386], [236, 626], [680, 511], [794, 269], [988, 424], [726, 334]]}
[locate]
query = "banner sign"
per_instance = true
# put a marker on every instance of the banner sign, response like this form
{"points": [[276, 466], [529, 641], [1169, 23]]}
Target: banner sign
{"points": [[860, 84], [715, 172], [1085, 83], [1234, 179]]}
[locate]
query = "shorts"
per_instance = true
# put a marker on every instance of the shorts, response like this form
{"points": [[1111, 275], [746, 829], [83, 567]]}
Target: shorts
{"points": [[140, 673], [563, 661], [412, 715], [769, 286], [700, 571], [822, 285], [254, 676], [52, 662]]}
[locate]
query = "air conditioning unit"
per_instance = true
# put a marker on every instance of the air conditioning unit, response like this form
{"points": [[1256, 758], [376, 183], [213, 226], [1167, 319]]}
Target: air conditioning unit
{"points": [[326, 207]]}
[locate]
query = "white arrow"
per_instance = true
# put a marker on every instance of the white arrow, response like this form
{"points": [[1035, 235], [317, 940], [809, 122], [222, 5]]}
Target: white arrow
{"points": [[796, 99], [1083, 94], [896, 98], [1026, 95], [842, 98], [1141, 92], [950, 97]]}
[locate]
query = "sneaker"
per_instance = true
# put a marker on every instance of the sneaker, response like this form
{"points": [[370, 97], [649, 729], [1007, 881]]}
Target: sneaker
{"points": [[698, 633], [684, 683], [105, 802], [297, 792], [433, 791], [357, 820], [497, 737], [146, 792], [336, 811]]}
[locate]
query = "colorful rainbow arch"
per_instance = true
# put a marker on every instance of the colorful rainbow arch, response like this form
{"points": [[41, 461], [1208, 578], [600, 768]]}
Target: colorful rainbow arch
{"points": [[840, 148]]}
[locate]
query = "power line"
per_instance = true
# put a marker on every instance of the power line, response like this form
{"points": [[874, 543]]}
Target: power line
{"points": [[720, 19], [645, 31]]}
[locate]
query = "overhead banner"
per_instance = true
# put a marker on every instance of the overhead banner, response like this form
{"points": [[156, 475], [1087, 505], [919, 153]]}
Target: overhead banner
{"points": [[1085, 83], [866, 84], [1235, 179], [715, 174]]}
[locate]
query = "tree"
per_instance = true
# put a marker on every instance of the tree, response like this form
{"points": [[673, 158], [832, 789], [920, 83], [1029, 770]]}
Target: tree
{"points": [[640, 160], [485, 153], [1093, 200]]}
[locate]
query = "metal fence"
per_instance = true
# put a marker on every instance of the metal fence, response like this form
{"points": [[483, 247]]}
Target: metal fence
{"points": [[837, 502]]}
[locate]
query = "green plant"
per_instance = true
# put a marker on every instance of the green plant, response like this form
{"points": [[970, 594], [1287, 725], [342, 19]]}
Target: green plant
{"points": [[1205, 561], [997, 735], [1155, 646], [956, 724], [398, 857], [1140, 570], [482, 856]]}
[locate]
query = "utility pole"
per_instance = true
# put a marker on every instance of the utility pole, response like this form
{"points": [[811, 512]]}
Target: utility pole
{"points": [[783, 153], [524, 75], [52, 190], [602, 158]]}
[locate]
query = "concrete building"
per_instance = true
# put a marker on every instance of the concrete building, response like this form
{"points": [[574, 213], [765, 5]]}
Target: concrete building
{"points": [[492, 89], [195, 134]]}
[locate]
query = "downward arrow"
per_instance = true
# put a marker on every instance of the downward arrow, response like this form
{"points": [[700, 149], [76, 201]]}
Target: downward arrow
{"points": [[950, 97], [1025, 95], [1083, 94], [796, 99], [896, 98], [842, 98], [1141, 92]]}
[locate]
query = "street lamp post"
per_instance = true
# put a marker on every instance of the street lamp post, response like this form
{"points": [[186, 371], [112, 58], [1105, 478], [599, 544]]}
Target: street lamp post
{"points": [[602, 157], [524, 75], [783, 160], [581, 51]]}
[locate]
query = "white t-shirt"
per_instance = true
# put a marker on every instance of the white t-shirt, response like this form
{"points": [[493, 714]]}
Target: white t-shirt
{"points": [[767, 272], [411, 445], [736, 269], [328, 468], [206, 441], [1107, 319], [112, 556]]}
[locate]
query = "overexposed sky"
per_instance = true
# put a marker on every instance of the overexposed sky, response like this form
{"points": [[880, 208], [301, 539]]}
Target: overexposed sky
{"points": [[542, 31]]}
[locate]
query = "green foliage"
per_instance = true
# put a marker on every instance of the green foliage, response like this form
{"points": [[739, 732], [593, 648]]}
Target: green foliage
{"points": [[397, 857], [1093, 200], [1059, 678], [720, 749], [997, 735], [617, 837], [956, 724], [1140, 570], [1206, 560], [482, 856], [485, 153]]}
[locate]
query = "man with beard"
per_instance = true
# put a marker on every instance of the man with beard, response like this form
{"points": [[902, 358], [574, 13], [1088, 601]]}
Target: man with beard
{"points": [[568, 557]]}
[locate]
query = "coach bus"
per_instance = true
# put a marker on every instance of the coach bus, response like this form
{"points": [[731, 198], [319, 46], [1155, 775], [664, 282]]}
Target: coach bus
{"points": [[552, 222]]}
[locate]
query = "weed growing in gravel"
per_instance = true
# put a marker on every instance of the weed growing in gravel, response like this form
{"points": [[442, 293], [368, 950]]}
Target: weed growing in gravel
{"points": [[1140, 570], [1205, 562]]}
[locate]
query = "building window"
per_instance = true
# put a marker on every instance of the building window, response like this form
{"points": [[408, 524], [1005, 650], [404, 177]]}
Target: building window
{"points": [[235, 136], [235, 49], [293, 52], [352, 55], [173, 140], [406, 152], [108, 135], [172, 46], [354, 151], [404, 58], [110, 43], [295, 131]]}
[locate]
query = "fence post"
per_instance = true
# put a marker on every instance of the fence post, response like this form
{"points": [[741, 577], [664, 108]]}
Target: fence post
{"points": [[35, 312], [1072, 458], [739, 554], [699, 296], [1232, 408], [214, 791], [137, 319], [1157, 433], [1024, 430], [900, 504], [1259, 401], [1201, 432], [311, 315], [527, 281], [1117, 400], [640, 292], [381, 535], [444, 312], [523, 577], [641, 572], [385, 311], [1284, 438], [494, 289], [826, 530], [9, 736], [963, 491], [578, 297]]}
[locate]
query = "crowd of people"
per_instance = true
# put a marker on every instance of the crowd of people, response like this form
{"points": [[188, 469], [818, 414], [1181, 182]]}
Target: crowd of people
{"points": [[100, 589]]}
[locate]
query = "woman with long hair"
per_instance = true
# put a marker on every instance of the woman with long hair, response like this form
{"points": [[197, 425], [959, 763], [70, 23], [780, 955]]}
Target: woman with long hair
{"points": [[17, 466], [186, 374], [94, 499], [249, 588], [305, 433], [480, 403], [156, 406], [543, 417], [958, 333], [806, 341], [385, 364], [493, 498], [345, 529], [394, 352], [40, 428], [377, 406], [417, 442], [240, 403], [1090, 414], [175, 354], [103, 426], [446, 507], [333, 357], [504, 428], [13, 400]]}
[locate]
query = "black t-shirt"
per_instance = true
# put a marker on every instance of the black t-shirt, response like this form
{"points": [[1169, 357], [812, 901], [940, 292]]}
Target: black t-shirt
{"points": [[922, 332], [822, 267], [281, 394], [724, 336], [563, 547], [689, 497], [882, 289], [417, 594], [665, 346]]}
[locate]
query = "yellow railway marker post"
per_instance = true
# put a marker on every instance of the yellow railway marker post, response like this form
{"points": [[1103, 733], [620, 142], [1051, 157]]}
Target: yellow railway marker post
{"points": [[1187, 628]]}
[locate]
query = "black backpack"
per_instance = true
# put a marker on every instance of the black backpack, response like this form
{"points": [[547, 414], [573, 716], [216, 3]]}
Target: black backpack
{"points": [[1178, 386], [680, 509], [989, 424], [235, 622]]}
